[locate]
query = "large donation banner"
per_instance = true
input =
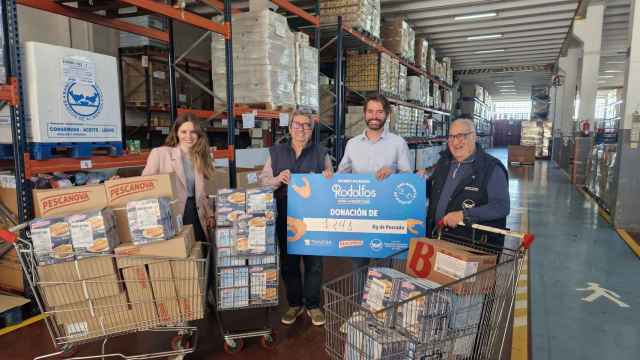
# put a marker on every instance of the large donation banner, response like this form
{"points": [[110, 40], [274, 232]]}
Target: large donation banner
{"points": [[354, 215]]}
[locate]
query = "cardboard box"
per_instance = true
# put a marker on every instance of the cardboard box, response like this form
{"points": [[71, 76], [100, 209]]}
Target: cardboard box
{"points": [[424, 316], [444, 262], [248, 178], [219, 181], [51, 237], [89, 268], [11, 272], [102, 308], [8, 198], [189, 273], [72, 292], [122, 222], [137, 282], [164, 291], [48, 202], [381, 291], [178, 247], [93, 232], [120, 192], [151, 220]]}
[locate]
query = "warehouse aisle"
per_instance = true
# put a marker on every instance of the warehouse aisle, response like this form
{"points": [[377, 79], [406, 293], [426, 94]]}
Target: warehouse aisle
{"points": [[574, 249]]}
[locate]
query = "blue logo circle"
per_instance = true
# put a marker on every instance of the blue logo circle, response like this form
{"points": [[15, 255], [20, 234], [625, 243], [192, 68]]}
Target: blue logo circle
{"points": [[405, 193], [376, 244], [82, 101]]}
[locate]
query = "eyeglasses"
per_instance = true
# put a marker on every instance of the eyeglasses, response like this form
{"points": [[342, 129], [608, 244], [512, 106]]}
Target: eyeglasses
{"points": [[461, 136], [298, 126]]}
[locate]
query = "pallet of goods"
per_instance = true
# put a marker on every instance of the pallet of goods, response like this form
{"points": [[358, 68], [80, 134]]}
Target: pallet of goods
{"points": [[263, 61], [361, 15], [306, 76], [421, 50], [522, 155], [363, 75], [72, 101], [399, 37]]}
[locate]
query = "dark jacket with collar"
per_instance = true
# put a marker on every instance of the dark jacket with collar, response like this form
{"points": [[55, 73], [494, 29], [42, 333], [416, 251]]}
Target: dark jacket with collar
{"points": [[472, 189], [283, 157]]}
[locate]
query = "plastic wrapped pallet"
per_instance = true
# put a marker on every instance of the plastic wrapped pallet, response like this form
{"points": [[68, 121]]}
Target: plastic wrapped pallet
{"points": [[399, 37], [306, 79], [149, 21], [402, 82], [5, 126], [362, 15], [362, 73], [263, 60], [421, 53], [447, 66], [354, 121], [415, 89]]}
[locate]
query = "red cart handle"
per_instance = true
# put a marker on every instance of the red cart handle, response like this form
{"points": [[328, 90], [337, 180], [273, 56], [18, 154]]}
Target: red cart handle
{"points": [[8, 236], [526, 238]]}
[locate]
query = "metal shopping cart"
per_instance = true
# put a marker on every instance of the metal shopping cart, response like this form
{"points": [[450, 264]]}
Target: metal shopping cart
{"points": [[245, 282], [156, 294], [465, 319]]}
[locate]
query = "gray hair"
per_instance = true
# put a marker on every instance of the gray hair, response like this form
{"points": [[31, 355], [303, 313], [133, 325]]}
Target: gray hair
{"points": [[470, 125]]}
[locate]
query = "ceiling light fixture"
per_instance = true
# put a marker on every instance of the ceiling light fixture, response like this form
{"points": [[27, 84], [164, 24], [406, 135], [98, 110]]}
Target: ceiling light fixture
{"points": [[484, 37], [504, 82], [615, 62], [475, 16], [506, 86], [606, 76], [613, 71], [488, 51]]}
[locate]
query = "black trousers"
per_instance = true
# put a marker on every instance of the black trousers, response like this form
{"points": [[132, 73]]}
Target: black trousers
{"points": [[299, 293], [190, 217]]}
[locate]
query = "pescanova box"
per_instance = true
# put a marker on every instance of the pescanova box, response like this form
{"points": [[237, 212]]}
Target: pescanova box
{"points": [[121, 191], [47, 202]]}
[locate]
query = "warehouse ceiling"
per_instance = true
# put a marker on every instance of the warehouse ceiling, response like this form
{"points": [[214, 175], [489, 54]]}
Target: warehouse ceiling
{"points": [[498, 37], [614, 43]]}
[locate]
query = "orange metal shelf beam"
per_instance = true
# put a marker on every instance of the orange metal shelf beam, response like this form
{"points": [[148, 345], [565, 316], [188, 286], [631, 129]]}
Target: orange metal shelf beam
{"points": [[56, 8], [219, 5], [314, 20], [33, 167], [182, 16], [9, 92]]}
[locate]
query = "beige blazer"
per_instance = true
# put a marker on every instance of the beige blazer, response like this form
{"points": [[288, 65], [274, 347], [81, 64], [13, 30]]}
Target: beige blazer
{"points": [[165, 160]]}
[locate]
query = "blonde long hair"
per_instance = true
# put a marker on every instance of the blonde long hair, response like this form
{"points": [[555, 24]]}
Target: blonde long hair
{"points": [[200, 152]]}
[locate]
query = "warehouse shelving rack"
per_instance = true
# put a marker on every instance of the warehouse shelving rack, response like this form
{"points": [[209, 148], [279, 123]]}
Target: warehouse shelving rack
{"points": [[310, 22], [11, 87], [341, 38]]}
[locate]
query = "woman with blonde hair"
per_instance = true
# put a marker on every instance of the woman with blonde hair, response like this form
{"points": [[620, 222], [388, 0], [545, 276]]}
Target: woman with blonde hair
{"points": [[186, 153]]}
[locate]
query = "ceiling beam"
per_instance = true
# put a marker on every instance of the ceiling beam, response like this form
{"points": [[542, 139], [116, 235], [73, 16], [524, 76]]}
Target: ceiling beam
{"points": [[525, 40], [427, 5], [507, 14], [529, 60], [526, 49], [498, 22], [418, 10], [521, 45], [518, 35], [564, 24]]}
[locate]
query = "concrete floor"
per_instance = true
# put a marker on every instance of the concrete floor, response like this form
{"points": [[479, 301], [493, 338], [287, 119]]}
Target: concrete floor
{"points": [[573, 247]]}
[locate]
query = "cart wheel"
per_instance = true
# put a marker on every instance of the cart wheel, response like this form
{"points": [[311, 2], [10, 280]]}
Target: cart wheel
{"points": [[268, 341], [180, 342], [233, 346]]}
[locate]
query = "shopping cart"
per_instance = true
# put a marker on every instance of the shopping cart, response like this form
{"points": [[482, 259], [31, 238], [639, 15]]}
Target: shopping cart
{"points": [[80, 311], [465, 319], [247, 282]]}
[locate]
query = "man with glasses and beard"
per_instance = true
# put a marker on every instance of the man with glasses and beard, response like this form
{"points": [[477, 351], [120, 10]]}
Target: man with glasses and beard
{"points": [[376, 151], [468, 186]]}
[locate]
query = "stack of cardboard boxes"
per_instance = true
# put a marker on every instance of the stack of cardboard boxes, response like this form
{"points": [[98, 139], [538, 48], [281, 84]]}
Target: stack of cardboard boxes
{"points": [[363, 74], [362, 15], [99, 275], [422, 311], [399, 37]]}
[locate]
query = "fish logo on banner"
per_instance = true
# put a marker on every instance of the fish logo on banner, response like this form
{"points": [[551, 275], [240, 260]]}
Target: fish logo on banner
{"points": [[405, 193], [83, 101]]}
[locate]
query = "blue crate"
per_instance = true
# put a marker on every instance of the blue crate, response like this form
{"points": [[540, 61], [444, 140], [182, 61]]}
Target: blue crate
{"points": [[6, 151], [45, 151]]}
